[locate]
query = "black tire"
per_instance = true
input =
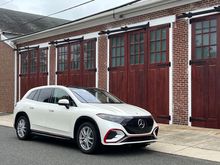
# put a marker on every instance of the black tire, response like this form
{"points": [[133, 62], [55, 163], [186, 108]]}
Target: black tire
{"points": [[92, 148], [23, 128]]}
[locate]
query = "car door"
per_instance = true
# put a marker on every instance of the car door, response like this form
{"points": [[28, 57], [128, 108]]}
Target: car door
{"points": [[60, 119], [39, 109]]}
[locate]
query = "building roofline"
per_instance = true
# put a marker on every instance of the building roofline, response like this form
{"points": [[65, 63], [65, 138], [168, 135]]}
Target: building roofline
{"points": [[124, 11]]}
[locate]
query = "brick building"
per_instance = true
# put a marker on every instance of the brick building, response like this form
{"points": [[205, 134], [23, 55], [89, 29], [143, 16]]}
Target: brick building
{"points": [[159, 55], [12, 24]]}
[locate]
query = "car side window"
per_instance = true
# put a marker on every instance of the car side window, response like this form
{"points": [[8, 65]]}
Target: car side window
{"points": [[32, 94], [61, 94], [45, 95]]}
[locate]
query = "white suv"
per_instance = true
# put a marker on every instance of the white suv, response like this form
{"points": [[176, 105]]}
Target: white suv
{"points": [[91, 116]]}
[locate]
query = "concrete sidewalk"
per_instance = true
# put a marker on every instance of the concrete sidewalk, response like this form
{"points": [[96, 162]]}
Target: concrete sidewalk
{"points": [[187, 141]]}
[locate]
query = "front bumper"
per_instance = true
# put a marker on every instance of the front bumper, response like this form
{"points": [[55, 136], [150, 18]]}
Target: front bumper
{"points": [[132, 138]]}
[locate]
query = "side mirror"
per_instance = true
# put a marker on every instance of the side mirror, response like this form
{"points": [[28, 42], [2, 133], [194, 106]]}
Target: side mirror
{"points": [[64, 102]]}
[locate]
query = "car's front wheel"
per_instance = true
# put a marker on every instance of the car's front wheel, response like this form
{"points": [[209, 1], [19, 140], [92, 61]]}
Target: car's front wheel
{"points": [[88, 138], [23, 128]]}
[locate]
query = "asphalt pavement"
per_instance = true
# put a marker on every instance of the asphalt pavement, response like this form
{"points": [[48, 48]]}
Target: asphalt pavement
{"points": [[50, 151]]}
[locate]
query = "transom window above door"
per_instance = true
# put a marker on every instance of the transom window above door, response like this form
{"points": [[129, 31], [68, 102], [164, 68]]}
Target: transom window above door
{"points": [[205, 39]]}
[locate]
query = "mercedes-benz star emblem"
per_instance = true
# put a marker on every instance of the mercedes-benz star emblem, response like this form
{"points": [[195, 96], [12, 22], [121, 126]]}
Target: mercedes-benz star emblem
{"points": [[141, 123]]}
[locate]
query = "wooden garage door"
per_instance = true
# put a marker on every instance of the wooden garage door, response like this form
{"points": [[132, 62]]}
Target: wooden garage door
{"points": [[205, 73], [76, 64], [158, 74], [33, 69], [134, 75]]}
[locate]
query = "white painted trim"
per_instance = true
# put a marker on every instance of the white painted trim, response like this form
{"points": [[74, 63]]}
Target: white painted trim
{"points": [[19, 81], [171, 73], [56, 68], [48, 66], [108, 63], [8, 42], [152, 23], [189, 72], [97, 63], [15, 77], [41, 45]]}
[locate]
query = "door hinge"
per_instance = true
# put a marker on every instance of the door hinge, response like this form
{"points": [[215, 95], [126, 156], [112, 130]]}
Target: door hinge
{"points": [[164, 117], [191, 119], [109, 69], [164, 64], [191, 62]]}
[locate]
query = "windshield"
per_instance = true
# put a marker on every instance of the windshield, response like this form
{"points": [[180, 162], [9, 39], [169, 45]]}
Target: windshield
{"points": [[91, 95]]}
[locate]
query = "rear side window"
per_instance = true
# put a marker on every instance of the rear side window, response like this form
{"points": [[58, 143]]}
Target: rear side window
{"points": [[31, 95], [45, 95]]}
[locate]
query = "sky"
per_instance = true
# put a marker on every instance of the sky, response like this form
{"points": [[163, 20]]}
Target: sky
{"points": [[46, 7]]}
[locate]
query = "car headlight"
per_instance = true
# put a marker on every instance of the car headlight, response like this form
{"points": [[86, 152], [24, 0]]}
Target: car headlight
{"points": [[113, 118]]}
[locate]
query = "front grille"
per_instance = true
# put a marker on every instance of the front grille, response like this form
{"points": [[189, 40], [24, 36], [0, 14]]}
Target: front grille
{"points": [[135, 139], [133, 126]]}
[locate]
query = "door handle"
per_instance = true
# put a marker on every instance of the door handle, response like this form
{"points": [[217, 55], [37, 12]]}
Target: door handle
{"points": [[51, 110], [31, 107]]}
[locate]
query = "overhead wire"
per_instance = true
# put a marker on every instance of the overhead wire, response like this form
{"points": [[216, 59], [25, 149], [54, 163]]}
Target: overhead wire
{"points": [[5, 3], [58, 12]]}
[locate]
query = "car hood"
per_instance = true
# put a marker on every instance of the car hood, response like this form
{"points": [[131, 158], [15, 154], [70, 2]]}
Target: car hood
{"points": [[120, 109]]}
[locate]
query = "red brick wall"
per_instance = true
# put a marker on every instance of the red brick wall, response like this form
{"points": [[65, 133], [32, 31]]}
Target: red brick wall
{"points": [[52, 57], [6, 78], [102, 62]]}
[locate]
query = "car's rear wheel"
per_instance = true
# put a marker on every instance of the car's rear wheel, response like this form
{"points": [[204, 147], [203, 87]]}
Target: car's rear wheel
{"points": [[88, 138], [23, 128]]}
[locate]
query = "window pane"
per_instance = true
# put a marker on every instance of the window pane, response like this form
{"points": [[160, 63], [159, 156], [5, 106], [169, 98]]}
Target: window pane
{"points": [[45, 95], [164, 57], [152, 35], [132, 50], [118, 52], [136, 59], [213, 51], [113, 52], [142, 37], [163, 33], [152, 47], [113, 41], [158, 57], [199, 25], [142, 59], [205, 26], [158, 46], [113, 62], [198, 53], [152, 58], [142, 48], [213, 23], [205, 52], [158, 34], [164, 45], [132, 59], [122, 61], [206, 39], [132, 38], [198, 40], [213, 38], [118, 61]]}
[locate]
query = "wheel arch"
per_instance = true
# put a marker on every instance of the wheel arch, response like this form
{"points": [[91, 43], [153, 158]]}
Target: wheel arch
{"points": [[19, 114], [82, 120]]}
